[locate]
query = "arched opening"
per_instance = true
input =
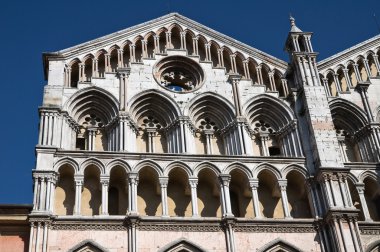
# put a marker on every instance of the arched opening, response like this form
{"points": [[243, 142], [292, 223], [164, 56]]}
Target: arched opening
{"points": [[189, 43], [208, 193], [372, 66], [176, 38], [342, 80], [352, 75], [88, 69], [127, 54], [118, 192], [241, 195], [240, 65], [179, 193], [91, 193], [265, 75], [114, 60], [355, 198], [162, 42], [269, 196], [297, 195], [65, 191], [214, 54], [372, 197], [74, 79], [278, 84], [252, 71], [227, 60], [301, 43], [331, 84], [202, 48], [150, 47], [362, 70], [101, 65], [149, 193], [138, 50]]}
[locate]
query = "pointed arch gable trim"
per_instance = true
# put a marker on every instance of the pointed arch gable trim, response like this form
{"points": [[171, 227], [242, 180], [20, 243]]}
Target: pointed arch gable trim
{"points": [[277, 244], [368, 174], [294, 167], [343, 110], [182, 243], [88, 242]]}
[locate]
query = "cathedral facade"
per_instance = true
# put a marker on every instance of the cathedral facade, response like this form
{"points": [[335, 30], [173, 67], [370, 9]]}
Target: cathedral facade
{"points": [[169, 136]]}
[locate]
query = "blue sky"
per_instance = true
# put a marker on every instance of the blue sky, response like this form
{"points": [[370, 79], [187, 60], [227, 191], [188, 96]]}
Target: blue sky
{"points": [[29, 28]]}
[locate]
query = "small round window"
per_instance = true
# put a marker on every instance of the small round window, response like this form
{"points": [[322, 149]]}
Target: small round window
{"points": [[179, 74]]}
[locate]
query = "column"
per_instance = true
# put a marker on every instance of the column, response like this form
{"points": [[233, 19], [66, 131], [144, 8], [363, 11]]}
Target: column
{"points": [[81, 72], [366, 66], [357, 73], [347, 77], [144, 49], [104, 180], [133, 180], [120, 60], [264, 137], [254, 184], [107, 58], [194, 198], [271, 81], [284, 84], [259, 75], [246, 70], [326, 86], [168, 40], [337, 83], [164, 195], [123, 75], [225, 194], [195, 46], [91, 138], [78, 194], [156, 44], [235, 79], [208, 135], [132, 48], [68, 74], [376, 60], [233, 62], [220, 58], [208, 52], [360, 188], [183, 40], [284, 197]]}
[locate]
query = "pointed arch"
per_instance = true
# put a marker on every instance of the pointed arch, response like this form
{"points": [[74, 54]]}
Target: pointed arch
{"points": [[182, 245], [368, 174], [373, 246], [210, 105], [347, 115], [88, 245], [270, 109], [279, 245], [92, 99], [87, 56], [153, 101]]}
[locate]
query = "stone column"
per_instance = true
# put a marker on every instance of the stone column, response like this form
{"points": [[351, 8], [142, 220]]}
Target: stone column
{"points": [[183, 40], [123, 74], [337, 83], [194, 198], [271, 81], [284, 197], [259, 75], [366, 66], [233, 63], [95, 72], [81, 72], [164, 195], [168, 40], [326, 86], [357, 73], [91, 138], [347, 77], [235, 79], [120, 60], [264, 137], [133, 180], [107, 59], [132, 52], [377, 64], [225, 194], [360, 188], [195, 46], [104, 180], [144, 49], [220, 58], [156, 44], [78, 194], [208, 52], [254, 184]]}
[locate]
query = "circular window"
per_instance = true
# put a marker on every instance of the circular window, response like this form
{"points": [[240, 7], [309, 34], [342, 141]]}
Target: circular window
{"points": [[179, 74]]}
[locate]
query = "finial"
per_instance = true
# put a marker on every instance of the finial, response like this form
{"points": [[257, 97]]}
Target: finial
{"points": [[292, 20]]}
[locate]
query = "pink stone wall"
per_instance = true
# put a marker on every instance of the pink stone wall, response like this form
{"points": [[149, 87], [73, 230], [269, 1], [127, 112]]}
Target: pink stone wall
{"points": [[252, 241], [63, 240], [14, 243]]}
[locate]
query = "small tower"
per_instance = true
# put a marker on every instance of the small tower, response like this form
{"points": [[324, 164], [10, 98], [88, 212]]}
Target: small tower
{"points": [[324, 160]]}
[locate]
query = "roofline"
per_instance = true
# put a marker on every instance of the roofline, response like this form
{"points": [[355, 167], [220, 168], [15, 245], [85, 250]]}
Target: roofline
{"points": [[122, 33], [339, 57]]}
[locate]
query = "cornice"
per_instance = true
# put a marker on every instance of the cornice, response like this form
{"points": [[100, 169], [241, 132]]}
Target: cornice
{"points": [[162, 21], [348, 53]]}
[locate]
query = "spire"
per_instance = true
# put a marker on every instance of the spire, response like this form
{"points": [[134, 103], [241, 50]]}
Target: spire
{"points": [[293, 27]]}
